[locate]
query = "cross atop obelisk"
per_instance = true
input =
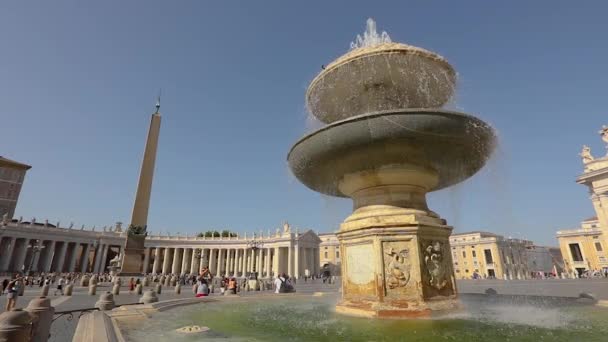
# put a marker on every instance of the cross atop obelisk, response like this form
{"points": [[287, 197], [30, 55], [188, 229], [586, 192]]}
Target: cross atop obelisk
{"points": [[136, 234]]}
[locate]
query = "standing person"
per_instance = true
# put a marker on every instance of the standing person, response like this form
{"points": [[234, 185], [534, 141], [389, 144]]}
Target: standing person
{"points": [[278, 283], [202, 290], [13, 291], [60, 286], [232, 286], [131, 285]]}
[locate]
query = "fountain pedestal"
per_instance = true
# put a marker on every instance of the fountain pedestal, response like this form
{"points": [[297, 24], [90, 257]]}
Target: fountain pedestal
{"points": [[396, 257]]}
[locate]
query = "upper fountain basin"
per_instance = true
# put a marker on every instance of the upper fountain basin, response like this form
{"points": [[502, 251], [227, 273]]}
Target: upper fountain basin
{"points": [[453, 145], [388, 76]]}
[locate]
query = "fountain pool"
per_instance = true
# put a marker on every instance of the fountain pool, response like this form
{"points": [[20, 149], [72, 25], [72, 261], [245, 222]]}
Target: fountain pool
{"points": [[307, 318]]}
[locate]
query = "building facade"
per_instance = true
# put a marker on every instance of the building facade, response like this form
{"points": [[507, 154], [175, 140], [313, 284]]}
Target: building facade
{"points": [[489, 255], [12, 175], [329, 253], [79, 250], [583, 248]]}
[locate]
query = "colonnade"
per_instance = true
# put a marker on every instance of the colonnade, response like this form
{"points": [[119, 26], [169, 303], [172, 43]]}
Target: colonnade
{"points": [[18, 254], [232, 262]]}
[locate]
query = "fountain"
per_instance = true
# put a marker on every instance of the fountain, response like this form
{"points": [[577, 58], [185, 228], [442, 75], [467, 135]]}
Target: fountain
{"points": [[386, 144]]}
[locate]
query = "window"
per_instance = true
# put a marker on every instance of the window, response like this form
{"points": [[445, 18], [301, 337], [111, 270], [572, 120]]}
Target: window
{"points": [[337, 254], [595, 237], [464, 254], [456, 263], [575, 251], [466, 271], [325, 247], [488, 254], [326, 254], [598, 246], [474, 254]]}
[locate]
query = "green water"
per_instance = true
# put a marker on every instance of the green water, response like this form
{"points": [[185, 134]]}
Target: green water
{"points": [[313, 319]]}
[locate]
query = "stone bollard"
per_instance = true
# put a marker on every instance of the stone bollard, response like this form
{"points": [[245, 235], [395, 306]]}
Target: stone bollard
{"points": [[178, 289], [15, 325], [158, 288], [194, 288], [145, 282], [92, 289], [167, 282], [212, 288], [42, 312], [68, 290], [45, 290], [139, 289], [84, 281], [162, 279], [173, 281], [93, 280], [105, 302], [116, 289], [148, 297]]}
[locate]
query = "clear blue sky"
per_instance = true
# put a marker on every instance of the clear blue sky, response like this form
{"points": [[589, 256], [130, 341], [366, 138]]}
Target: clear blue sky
{"points": [[78, 81]]}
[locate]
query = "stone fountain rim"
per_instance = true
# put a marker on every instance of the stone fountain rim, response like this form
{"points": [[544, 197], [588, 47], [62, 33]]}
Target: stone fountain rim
{"points": [[384, 48], [381, 113]]}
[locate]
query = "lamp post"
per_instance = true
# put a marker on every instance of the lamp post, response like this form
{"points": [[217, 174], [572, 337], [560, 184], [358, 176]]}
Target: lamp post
{"points": [[35, 250]]}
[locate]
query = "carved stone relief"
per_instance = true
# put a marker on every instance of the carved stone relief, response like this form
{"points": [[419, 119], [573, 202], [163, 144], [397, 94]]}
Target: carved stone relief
{"points": [[435, 263]]}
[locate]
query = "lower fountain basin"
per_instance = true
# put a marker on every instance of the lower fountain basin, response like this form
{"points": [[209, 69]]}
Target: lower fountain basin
{"points": [[452, 145], [306, 318]]}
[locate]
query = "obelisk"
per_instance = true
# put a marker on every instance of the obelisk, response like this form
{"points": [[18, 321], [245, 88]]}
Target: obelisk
{"points": [[136, 234]]}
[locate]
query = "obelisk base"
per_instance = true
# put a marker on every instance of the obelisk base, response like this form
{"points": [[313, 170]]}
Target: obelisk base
{"points": [[133, 258], [396, 264]]}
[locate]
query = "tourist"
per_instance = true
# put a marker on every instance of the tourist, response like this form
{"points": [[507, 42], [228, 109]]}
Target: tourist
{"points": [[203, 289], [13, 291], [279, 283], [60, 286], [131, 285], [232, 286]]}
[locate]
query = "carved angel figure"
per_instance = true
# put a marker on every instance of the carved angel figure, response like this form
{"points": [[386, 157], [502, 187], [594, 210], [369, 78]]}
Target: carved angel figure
{"points": [[398, 268], [586, 154], [433, 259]]}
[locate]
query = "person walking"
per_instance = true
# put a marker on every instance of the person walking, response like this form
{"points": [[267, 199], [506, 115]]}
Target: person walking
{"points": [[131, 285], [60, 286], [13, 292]]}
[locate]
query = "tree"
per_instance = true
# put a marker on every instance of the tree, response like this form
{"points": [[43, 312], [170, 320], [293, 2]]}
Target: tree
{"points": [[215, 233]]}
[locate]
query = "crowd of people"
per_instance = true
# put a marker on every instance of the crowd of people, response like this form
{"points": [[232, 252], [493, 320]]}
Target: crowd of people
{"points": [[202, 284]]}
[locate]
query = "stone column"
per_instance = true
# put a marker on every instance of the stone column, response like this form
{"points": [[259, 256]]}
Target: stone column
{"points": [[176, 261], [194, 261], [239, 261], [36, 257], [296, 261], [6, 258], [186, 261], [212, 261], [59, 260], [21, 254], [48, 260], [220, 262], [157, 256], [267, 262], [146, 265], [228, 261], [275, 262], [249, 254], [104, 259], [84, 259], [72, 263], [261, 263], [167, 261], [98, 252], [290, 261]]}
